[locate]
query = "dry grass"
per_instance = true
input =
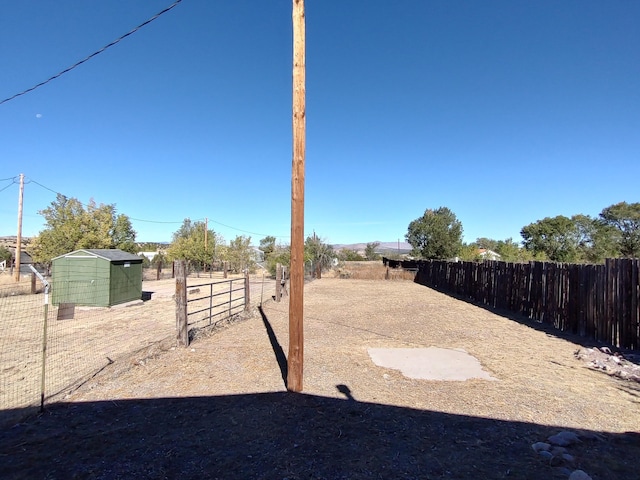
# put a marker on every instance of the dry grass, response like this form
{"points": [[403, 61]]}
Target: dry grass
{"points": [[9, 286], [219, 409], [374, 270]]}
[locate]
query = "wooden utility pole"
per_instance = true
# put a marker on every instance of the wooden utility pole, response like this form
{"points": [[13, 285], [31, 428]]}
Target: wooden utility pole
{"points": [[19, 234], [296, 272]]}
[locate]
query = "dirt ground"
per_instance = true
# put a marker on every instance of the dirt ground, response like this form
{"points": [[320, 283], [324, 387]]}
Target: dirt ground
{"points": [[220, 409], [93, 338]]}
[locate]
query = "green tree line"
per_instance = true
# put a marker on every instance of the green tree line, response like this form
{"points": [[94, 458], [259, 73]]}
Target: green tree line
{"points": [[614, 233], [437, 234]]}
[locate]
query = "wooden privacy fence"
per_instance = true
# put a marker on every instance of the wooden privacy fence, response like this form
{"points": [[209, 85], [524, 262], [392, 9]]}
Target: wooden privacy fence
{"points": [[600, 302]]}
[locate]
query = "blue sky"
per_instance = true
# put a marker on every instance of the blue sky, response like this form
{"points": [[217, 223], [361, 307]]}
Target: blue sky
{"points": [[504, 111]]}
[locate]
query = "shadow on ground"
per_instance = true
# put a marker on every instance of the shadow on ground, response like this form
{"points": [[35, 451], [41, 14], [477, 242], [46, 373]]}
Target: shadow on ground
{"points": [[285, 435], [288, 435]]}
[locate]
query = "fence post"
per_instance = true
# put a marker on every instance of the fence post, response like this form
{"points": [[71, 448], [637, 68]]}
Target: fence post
{"points": [[44, 348], [247, 291], [278, 282], [181, 303]]}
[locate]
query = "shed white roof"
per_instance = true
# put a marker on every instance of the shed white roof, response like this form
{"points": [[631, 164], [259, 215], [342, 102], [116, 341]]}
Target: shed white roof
{"points": [[111, 254]]}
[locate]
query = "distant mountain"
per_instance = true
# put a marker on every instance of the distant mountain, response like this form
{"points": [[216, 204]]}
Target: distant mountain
{"points": [[384, 247]]}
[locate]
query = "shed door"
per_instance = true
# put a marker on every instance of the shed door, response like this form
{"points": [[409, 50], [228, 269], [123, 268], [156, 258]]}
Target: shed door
{"points": [[81, 285]]}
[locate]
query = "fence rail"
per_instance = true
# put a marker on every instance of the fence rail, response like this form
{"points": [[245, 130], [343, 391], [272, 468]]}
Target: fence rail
{"points": [[229, 296], [68, 343], [600, 302]]}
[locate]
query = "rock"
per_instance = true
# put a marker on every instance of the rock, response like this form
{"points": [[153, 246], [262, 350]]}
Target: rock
{"points": [[579, 475], [540, 447], [546, 454], [568, 458], [605, 350], [591, 436], [558, 450], [564, 439], [556, 460]]}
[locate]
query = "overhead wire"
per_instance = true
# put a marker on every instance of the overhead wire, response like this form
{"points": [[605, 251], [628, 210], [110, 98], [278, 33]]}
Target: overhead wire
{"points": [[246, 231], [153, 221], [30, 180], [11, 180], [97, 52], [7, 186]]}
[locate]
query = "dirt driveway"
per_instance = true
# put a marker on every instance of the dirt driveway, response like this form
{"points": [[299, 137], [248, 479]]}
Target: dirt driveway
{"points": [[219, 409]]}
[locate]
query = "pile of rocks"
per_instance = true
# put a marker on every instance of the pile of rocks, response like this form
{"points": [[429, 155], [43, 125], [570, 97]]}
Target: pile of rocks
{"points": [[555, 451], [616, 364]]}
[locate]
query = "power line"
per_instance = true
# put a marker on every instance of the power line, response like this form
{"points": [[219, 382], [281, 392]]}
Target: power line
{"points": [[151, 221], [12, 183], [46, 188], [246, 231], [30, 180], [92, 55]]}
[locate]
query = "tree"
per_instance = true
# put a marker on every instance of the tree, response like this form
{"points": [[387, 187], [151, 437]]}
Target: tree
{"points": [[435, 235], [510, 251], [282, 255], [240, 255], [146, 263], [160, 259], [487, 243], [70, 226], [268, 245], [576, 239], [320, 254], [470, 253], [349, 255], [189, 244], [625, 219], [5, 254], [370, 251], [596, 240], [556, 237]]}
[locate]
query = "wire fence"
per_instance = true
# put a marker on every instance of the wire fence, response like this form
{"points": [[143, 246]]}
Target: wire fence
{"points": [[49, 350]]}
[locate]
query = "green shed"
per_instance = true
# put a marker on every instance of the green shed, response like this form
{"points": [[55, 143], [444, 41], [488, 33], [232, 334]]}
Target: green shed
{"points": [[96, 277]]}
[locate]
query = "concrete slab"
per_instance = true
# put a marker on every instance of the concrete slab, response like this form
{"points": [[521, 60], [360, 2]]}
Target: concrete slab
{"points": [[430, 363]]}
